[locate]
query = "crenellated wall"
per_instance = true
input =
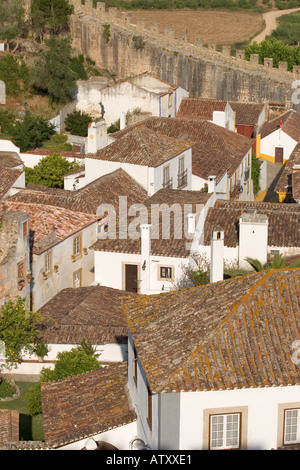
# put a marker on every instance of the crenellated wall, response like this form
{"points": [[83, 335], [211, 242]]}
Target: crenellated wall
{"points": [[128, 49]]}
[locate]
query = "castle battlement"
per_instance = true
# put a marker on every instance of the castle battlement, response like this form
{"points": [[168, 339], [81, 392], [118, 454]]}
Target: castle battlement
{"points": [[166, 38]]}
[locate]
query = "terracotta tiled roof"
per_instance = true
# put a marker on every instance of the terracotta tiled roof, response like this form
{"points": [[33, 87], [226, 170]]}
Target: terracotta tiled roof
{"points": [[200, 107], [231, 334], [62, 153], [93, 314], [215, 151], [283, 220], [9, 159], [246, 113], [290, 125], [285, 180], [86, 404], [49, 225], [142, 146], [296, 186], [176, 244], [8, 177], [104, 190]]}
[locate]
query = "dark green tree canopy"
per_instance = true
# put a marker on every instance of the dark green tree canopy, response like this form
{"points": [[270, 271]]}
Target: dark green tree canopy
{"points": [[50, 17], [31, 132], [77, 123], [53, 73], [50, 171]]}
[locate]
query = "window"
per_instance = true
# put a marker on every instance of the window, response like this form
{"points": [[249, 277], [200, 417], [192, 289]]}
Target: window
{"points": [[25, 228], [149, 407], [225, 431], [181, 165], [182, 173], [292, 426], [165, 272], [167, 182], [77, 279], [21, 270], [48, 262], [77, 245]]}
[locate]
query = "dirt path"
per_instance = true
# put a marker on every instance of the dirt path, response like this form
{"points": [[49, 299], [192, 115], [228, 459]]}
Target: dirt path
{"points": [[271, 22]]}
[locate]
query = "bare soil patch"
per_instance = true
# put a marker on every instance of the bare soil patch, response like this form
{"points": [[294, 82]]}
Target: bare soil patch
{"points": [[222, 27]]}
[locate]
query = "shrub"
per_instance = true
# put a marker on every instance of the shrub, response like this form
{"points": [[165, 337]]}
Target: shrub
{"points": [[68, 363], [6, 389], [77, 123]]}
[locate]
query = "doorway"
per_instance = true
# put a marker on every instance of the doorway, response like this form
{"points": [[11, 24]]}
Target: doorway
{"points": [[131, 277]]}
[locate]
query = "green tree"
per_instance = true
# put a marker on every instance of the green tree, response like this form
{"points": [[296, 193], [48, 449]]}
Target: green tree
{"points": [[68, 363], [278, 262], [50, 17], [15, 74], [18, 329], [275, 49], [53, 74], [12, 16], [7, 121], [255, 174], [77, 123], [31, 132], [50, 171]]}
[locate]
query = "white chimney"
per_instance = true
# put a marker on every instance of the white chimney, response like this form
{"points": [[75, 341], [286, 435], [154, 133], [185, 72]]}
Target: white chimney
{"points": [[145, 257], [217, 255], [191, 223], [97, 136], [253, 237], [122, 121], [212, 183]]}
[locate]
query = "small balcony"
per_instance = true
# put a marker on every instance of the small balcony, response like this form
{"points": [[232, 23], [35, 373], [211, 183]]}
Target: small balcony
{"points": [[168, 184], [182, 179]]}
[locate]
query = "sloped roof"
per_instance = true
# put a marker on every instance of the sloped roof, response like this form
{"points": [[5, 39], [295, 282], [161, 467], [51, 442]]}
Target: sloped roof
{"points": [[171, 243], [283, 222], [49, 225], [93, 314], [230, 334], [8, 177], [142, 146], [86, 404], [290, 125], [215, 150], [9, 159], [200, 107], [104, 190], [296, 186], [246, 113]]}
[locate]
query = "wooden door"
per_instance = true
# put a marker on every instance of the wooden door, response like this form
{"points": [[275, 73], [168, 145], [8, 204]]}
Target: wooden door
{"points": [[279, 155], [131, 278]]}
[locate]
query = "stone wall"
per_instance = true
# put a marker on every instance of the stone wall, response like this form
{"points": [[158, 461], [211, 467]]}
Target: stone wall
{"points": [[203, 71], [9, 426]]}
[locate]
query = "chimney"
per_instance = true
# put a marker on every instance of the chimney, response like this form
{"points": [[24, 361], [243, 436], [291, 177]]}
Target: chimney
{"points": [[212, 183], [145, 257], [253, 237], [217, 255], [191, 223], [122, 121], [97, 136]]}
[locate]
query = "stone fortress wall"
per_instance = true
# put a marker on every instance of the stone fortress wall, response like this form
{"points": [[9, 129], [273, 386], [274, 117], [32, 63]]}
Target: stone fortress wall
{"points": [[129, 49]]}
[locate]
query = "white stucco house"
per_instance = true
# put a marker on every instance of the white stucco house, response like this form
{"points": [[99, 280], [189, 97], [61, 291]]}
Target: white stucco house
{"points": [[155, 161], [254, 230], [144, 92], [221, 158], [59, 241], [220, 373], [217, 373], [150, 248], [278, 137]]}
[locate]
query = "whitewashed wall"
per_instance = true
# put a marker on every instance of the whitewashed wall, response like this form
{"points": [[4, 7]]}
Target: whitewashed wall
{"points": [[262, 406], [277, 138], [119, 437], [44, 290], [31, 160]]}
